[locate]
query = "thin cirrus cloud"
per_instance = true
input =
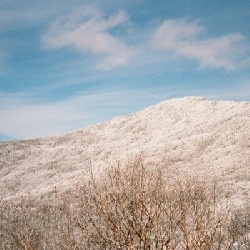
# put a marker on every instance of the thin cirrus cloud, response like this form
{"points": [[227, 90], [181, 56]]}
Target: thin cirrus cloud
{"points": [[90, 32], [21, 117], [183, 39]]}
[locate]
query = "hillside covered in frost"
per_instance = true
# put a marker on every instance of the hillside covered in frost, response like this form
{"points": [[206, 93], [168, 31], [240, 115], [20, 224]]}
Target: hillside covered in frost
{"points": [[195, 136]]}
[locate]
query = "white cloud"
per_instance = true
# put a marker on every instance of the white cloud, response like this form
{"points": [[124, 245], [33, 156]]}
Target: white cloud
{"points": [[89, 31], [184, 39], [22, 117]]}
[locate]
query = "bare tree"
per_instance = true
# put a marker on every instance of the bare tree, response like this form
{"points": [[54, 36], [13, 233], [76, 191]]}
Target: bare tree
{"points": [[136, 207]]}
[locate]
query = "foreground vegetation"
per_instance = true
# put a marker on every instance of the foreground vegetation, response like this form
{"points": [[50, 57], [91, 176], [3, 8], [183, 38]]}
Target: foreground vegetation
{"points": [[128, 206]]}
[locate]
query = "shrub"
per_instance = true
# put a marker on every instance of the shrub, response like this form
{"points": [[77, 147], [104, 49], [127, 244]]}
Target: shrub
{"points": [[19, 226], [135, 207]]}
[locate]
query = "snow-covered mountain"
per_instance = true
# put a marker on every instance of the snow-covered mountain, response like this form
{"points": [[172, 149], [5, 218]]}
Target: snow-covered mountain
{"points": [[194, 135]]}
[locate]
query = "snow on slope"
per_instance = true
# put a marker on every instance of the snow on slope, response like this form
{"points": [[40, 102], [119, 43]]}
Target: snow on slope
{"points": [[193, 135]]}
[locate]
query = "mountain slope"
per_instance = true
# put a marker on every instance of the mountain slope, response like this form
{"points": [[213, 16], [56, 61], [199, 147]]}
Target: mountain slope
{"points": [[193, 135]]}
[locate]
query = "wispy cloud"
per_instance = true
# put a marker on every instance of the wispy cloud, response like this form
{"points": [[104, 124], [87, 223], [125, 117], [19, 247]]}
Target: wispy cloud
{"points": [[183, 38], [89, 31], [16, 15], [23, 117]]}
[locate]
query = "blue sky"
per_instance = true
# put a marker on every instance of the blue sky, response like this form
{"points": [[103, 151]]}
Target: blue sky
{"points": [[65, 65]]}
